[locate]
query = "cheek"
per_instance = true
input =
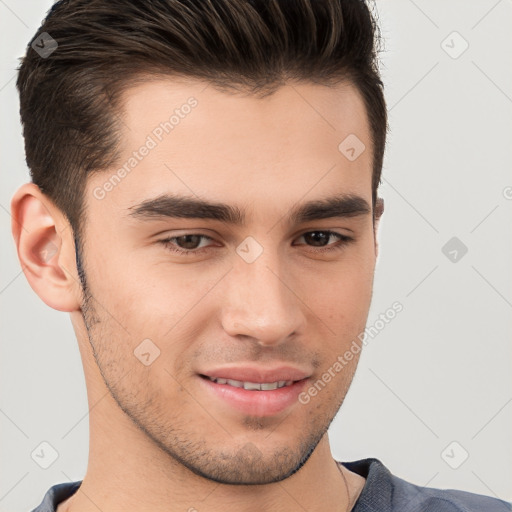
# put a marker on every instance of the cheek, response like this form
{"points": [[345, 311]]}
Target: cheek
{"points": [[340, 292], [147, 296]]}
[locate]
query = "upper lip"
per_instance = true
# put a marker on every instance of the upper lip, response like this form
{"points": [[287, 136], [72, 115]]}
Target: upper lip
{"points": [[256, 374]]}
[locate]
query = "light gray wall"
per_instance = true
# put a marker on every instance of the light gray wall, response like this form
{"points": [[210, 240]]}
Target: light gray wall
{"points": [[439, 372]]}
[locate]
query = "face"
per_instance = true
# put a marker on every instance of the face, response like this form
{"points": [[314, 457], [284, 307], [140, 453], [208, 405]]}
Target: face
{"points": [[233, 260]]}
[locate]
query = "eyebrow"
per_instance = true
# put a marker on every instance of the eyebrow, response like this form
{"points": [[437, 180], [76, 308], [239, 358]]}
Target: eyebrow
{"points": [[173, 206]]}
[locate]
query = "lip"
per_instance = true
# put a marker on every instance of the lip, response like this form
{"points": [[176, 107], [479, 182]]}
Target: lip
{"points": [[255, 374], [252, 402]]}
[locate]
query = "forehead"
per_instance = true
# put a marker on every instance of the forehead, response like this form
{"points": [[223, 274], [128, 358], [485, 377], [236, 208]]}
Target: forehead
{"points": [[187, 137]]}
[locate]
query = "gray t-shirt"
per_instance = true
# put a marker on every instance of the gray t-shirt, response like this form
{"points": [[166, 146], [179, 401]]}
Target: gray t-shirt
{"points": [[382, 492]]}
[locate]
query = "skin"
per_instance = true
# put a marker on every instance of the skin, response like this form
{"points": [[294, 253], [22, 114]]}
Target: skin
{"points": [[158, 441]]}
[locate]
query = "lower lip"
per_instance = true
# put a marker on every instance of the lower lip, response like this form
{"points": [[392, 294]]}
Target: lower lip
{"points": [[256, 403]]}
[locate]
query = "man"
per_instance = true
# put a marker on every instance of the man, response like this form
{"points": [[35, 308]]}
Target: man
{"points": [[204, 205]]}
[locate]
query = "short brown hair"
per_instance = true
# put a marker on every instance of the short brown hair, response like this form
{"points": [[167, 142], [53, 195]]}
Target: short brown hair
{"points": [[69, 100]]}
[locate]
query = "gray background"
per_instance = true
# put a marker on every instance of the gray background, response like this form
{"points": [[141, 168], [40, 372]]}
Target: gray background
{"points": [[440, 371]]}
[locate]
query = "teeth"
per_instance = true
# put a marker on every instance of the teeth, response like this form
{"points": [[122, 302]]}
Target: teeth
{"points": [[254, 386], [235, 383]]}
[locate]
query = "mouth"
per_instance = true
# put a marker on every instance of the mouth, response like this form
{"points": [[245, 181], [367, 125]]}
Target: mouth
{"points": [[253, 391], [251, 386]]}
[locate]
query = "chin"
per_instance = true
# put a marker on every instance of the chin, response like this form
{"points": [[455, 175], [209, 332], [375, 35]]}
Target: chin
{"points": [[249, 466]]}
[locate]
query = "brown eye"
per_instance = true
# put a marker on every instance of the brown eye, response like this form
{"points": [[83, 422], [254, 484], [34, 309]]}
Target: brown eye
{"points": [[317, 238], [321, 240], [188, 241], [189, 244]]}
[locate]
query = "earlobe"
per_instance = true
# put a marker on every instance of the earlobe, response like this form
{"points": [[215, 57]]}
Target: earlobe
{"points": [[45, 248]]}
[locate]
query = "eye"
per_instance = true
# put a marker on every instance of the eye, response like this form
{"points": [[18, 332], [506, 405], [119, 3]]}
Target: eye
{"points": [[320, 239], [189, 243], [195, 243]]}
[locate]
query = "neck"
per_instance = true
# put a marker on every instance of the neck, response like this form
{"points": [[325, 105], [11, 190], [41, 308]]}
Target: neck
{"points": [[126, 471]]}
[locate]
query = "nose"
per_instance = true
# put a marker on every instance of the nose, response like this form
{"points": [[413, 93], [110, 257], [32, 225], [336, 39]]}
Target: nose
{"points": [[261, 303]]}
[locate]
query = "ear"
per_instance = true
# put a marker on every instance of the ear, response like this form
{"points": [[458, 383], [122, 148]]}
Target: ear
{"points": [[46, 248], [379, 210]]}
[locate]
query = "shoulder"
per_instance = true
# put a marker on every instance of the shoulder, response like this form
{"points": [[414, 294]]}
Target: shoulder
{"points": [[386, 492], [56, 495]]}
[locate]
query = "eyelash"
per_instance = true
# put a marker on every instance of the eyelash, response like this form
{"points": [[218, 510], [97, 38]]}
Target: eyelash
{"points": [[167, 243]]}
